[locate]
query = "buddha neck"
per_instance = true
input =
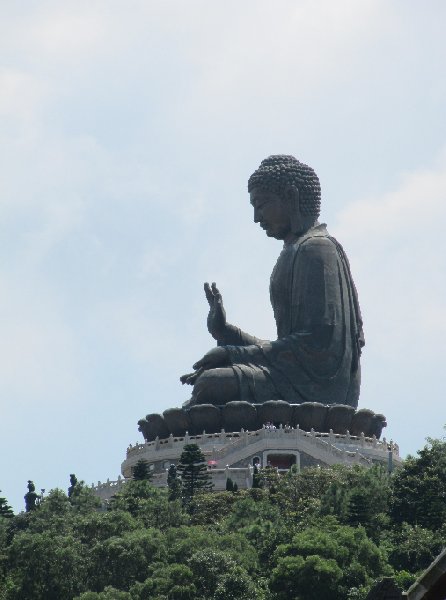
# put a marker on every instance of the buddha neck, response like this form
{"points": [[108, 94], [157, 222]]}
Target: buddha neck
{"points": [[292, 237]]}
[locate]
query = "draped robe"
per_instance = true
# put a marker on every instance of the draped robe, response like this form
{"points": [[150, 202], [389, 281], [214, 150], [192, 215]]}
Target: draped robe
{"points": [[316, 357]]}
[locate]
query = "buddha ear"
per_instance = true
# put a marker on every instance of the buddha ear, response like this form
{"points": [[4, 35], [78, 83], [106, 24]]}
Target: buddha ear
{"points": [[292, 196]]}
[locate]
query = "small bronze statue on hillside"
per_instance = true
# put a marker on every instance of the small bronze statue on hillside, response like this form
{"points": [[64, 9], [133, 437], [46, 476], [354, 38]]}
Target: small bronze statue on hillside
{"points": [[32, 498], [316, 357]]}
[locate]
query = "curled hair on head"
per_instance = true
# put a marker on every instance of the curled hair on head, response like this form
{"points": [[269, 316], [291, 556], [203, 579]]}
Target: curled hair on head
{"points": [[279, 171]]}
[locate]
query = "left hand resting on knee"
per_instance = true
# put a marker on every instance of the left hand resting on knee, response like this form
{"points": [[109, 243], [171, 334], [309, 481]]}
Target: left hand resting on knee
{"points": [[217, 357]]}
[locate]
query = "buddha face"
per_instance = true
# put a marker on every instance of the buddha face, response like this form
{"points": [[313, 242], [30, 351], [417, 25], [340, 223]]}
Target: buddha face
{"points": [[272, 212]]}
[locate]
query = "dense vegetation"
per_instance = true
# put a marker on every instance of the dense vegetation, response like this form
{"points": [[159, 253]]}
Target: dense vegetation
{"points": [[320, 534]]}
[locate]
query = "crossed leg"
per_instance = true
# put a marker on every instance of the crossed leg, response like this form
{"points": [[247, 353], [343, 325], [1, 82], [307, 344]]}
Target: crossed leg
{"points": [[216, 386]]}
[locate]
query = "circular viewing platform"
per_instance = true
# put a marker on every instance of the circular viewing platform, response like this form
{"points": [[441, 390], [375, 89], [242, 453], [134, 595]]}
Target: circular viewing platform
{"points": [[280, 447]]}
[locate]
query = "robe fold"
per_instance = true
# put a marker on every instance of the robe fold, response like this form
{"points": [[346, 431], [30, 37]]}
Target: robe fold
{"points": [[316, 357]]}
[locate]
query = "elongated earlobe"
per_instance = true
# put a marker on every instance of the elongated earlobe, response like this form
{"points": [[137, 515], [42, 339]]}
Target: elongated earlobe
{"points": [[296, 220]]}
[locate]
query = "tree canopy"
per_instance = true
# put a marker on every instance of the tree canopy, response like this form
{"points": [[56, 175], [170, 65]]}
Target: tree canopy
{"points": [[193, 473], [323, 533]]}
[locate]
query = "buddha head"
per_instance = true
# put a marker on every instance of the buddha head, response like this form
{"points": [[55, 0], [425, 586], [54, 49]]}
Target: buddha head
{"points": [[286, 196]]}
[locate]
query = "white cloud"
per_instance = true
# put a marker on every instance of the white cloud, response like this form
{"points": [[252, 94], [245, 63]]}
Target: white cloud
{"points": [[138, 328], [61, 219], [127, 132], [37, 347], [54, 33], [396, 245], [21, 94], [76, 31], [262, 51]]}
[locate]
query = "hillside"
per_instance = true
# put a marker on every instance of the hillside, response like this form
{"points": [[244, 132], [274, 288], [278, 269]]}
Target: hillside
{"points": [[322, 534]]}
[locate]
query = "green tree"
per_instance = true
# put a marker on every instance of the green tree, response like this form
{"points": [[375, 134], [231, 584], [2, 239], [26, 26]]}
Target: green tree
{"points": [[336, 500], [84, 500], [148, 504], [46, 566], [419, 488], [141, 471], [109, 593], [81, 496], [300, 495], [211, 508], [269, 479], [359, 496], [236, 584], [98, 526], [216, 572], [173, 483], [327, 560], [255, 477], [193, 472], [311, 577], [359, 508], [321, 533], [5, 510], [404, 579], [260, 522], [412, 548], [55, 514], [229, 485], [173, 582], [181, 543], [123, 560]]}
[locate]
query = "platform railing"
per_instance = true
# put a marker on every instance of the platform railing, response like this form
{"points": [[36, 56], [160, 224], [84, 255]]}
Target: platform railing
{"points": [[230, 441]]}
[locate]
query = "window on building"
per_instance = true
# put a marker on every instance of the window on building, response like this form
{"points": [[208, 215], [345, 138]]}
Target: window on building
{"points": [[281, 461]]}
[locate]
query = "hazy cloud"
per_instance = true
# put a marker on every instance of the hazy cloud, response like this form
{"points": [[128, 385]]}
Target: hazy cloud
{"points": [[127, 134], [396, 242]]}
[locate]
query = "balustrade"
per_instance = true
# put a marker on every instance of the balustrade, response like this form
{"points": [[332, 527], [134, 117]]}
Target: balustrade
{"points": [[231, 441]]}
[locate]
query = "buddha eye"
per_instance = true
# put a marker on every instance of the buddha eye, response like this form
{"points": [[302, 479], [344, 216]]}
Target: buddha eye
{"points": [[263, 203]]}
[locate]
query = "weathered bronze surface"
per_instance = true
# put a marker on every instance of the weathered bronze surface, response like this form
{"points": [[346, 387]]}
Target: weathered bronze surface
{"points": [[237, 415], [316, 356]]}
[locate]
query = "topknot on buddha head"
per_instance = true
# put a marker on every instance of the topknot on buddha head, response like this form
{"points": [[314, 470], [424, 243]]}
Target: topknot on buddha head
{"points": [[280, 171]]}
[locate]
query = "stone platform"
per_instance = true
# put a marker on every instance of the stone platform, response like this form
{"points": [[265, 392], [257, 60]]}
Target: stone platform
{"points": [[234, 453]]}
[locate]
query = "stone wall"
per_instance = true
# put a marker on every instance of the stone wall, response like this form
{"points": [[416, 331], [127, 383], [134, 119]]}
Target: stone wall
{"points": [[238, 448]]}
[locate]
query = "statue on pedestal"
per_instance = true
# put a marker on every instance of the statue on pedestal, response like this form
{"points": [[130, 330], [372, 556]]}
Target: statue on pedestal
{"points": [[32, 498], [309, 377], [316, 357]]}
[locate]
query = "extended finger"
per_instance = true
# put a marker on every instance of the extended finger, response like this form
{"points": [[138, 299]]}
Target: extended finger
{"points": [[208, 292], [216, 292], [190, 380], [184, 378]]}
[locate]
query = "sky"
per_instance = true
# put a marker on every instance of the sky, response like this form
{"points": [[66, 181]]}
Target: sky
{"points": [[128, 131]]}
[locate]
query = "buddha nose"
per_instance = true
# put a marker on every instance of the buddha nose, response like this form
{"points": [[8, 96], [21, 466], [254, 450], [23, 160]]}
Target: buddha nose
{"points": [[257, 215]]}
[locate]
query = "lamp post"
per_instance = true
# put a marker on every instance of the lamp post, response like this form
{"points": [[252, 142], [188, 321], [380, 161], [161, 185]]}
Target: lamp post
{"points": [[390, 457]]}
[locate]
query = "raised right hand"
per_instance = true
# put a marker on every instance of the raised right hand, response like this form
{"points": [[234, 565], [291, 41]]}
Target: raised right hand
{"points": [[217, 315]]}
